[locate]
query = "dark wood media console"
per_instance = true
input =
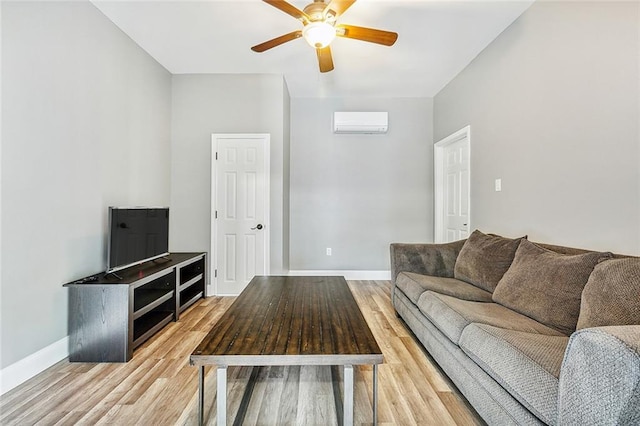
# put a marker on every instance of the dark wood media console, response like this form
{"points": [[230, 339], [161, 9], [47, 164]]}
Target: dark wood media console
{"points": [[109, 316]]}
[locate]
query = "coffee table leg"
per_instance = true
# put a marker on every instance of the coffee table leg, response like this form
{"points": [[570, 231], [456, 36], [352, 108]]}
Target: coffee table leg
{"points": [[222, 396], [375, 394], [201, 396], [348, 395]]}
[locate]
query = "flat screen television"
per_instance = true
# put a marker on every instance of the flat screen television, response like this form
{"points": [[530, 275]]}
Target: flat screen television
{"points": [[136, 235]]}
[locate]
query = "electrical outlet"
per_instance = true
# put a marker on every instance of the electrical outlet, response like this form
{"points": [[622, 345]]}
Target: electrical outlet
{"points": [[498, 185], [328, 251]]}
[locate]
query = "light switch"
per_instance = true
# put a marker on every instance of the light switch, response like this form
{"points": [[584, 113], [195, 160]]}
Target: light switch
{"points": [[498, 185]]}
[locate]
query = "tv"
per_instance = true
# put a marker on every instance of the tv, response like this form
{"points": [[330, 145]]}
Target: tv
{"points": [[136, 235]]}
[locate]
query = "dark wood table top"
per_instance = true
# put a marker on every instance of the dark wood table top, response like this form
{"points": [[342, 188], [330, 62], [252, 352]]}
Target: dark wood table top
{"points": [[290, 321]]}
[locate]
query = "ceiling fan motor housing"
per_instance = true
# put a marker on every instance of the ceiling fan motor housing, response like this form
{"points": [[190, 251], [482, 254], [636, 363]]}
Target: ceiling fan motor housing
{"points": [[315, 11]]}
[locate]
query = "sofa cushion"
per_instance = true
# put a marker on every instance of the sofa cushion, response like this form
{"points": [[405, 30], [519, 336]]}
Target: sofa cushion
{"points": [[526, 364], [612, 294], [413, 285], [451, 315], [546, 285], [484, 259]]}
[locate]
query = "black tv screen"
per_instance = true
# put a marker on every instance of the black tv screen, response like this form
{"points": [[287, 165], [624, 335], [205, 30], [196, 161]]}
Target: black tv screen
{"points": [[136, 235]]}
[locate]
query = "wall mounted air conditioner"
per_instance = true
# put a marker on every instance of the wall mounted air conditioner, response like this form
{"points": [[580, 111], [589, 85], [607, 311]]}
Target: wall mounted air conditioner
{"points": [[360, 122]]}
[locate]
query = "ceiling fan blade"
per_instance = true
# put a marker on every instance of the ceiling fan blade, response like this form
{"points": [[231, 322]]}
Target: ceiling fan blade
{"points": [[324, 59], [338, 7], [371, 35], [289, 9], [276, 41]]}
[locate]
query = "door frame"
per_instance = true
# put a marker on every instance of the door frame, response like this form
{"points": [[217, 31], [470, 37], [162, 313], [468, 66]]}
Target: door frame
{"points": [[438, 163], [266, 137]]}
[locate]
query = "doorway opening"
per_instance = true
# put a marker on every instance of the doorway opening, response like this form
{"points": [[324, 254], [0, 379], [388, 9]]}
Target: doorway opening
{"points": [[452, 165]]}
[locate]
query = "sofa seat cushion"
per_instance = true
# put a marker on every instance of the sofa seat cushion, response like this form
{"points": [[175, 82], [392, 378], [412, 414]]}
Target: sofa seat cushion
{"points": [[413, 285], [526, 364], [451, 315]]}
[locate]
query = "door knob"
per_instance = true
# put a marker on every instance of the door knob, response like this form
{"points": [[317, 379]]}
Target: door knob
{"points": [[259, 226]]}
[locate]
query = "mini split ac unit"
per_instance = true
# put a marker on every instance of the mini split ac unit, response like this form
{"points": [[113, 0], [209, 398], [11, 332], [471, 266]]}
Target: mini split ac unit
{"points": [[360, 122]]}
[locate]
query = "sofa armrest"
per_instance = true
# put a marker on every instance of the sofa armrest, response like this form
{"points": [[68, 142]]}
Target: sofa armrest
{"points": [[428, 259], [600, 377]]}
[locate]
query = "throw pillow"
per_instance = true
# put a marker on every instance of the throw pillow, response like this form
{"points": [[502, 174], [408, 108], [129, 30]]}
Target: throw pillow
{"points": [[612, 294], [547, 286], [484, 259]]}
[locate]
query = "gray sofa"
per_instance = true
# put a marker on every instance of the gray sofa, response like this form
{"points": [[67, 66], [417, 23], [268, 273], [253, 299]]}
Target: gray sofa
{"points": [[529, 333]]}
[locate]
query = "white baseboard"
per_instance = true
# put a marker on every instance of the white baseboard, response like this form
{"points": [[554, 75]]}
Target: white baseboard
{"points": [[348, 275], [21, 371]]}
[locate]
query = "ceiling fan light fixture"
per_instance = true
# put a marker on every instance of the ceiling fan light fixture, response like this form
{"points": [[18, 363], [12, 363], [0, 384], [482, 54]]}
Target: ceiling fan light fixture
{"points": [[319, 34], [320, 28]]}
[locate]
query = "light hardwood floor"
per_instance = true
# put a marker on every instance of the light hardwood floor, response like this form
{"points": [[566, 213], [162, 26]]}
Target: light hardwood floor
{"points": [[159, 387]]}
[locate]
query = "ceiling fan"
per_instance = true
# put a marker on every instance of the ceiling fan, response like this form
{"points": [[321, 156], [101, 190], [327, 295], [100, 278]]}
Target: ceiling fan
{"points": [[320, 28]]}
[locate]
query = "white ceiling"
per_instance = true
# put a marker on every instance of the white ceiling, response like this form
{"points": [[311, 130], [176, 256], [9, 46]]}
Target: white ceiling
{"points": [[437, 39]]}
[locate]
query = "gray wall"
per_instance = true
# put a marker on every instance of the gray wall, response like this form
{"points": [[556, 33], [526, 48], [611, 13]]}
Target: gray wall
{"points": [[553, 105], [86, 117], [205, 104], [286, 177], [358, 193]]}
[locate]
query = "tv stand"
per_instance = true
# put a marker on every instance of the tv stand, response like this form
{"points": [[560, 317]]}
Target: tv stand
{"points": [[112, 314]]}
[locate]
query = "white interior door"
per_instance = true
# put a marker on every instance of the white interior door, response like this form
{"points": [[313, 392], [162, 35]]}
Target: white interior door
{"points": [[240, 198], [452, 166]]}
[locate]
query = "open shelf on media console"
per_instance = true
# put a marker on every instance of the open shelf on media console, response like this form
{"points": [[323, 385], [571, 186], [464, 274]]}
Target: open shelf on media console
{"points": [[146, 300], [149, 324]]}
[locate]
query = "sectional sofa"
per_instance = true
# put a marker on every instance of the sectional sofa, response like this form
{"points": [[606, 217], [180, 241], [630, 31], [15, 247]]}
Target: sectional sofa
{"points": [[530, 333]]}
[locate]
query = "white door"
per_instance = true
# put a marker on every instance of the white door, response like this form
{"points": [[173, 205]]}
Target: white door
{"points": [[240, 207], [452, 166]]}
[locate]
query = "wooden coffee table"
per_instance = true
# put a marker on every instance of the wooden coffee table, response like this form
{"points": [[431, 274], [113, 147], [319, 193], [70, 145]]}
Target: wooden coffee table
{"points": [[290, 321]]}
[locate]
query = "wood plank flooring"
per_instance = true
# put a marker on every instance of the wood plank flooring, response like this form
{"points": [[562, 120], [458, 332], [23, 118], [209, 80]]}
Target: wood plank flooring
{"points": [[159, 387]]}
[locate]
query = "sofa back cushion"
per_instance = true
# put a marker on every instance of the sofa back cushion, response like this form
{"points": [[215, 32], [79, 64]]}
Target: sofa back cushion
{"points": [[547, 286], [484, 259], [612, 294]]}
